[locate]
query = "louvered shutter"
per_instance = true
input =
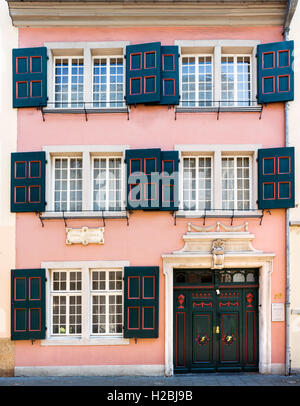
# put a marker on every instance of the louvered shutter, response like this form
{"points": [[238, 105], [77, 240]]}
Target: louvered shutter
{"points": [[143, 179], [143, 73], [275, 74], [169, 180], [29, 77], [276, 178], [28, 306], [28, 181], [141, 300], [169, 75]]}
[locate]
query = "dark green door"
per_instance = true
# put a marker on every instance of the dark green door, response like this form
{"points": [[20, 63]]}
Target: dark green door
{"points": [[215, 320]]}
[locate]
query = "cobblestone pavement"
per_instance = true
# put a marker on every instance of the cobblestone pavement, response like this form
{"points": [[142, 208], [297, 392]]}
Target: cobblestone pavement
{"points": [[216, 379]]}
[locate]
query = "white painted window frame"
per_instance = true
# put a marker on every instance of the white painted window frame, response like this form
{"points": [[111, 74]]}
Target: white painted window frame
{"points": [[106, 293], [108, 94], [53, 159], [86, 152], [69, 102], [196, 56], [86, 338], [186, 47], [235, 178], [217, 152], [235, 81], [85, 50], [197, 178]]}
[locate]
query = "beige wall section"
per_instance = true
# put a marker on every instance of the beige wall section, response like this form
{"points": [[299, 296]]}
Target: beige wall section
{"points": [[295, 213], [8, 143]]}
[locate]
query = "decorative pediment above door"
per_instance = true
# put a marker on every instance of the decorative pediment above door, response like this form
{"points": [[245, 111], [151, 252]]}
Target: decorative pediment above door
{"points": [[217, 241]]}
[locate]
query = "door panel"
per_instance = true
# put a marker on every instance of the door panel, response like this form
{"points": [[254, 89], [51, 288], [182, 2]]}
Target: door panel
{"points": [[215, 327]]}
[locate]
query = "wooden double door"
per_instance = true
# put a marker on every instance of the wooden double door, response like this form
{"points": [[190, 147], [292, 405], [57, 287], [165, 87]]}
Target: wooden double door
{"points": [[215, 320]]}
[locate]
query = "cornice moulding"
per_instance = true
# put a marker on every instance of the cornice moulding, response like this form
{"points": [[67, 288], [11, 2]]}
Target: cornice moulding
{"points": [[150, 14]]}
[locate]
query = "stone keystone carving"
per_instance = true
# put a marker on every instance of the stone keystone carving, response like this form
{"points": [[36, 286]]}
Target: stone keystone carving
{"points": [[218, 251]]}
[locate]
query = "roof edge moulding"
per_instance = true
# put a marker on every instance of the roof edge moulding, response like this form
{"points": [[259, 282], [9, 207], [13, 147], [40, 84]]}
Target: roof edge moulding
{"points": [[146, 13]]}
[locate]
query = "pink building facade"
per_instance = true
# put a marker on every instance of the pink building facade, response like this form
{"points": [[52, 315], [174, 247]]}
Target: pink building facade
{"points": [[104, 286]]}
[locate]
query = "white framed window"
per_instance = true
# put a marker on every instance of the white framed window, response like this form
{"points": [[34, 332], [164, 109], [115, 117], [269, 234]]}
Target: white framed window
{"points": [[67, 179], [69, 82], [107, 183], [236, 81], [85, 179], [66, 302], [86, 75], [107, 302], [197, 183], [197, 80], [84, 303], [217, 179], [236, 182], [218, 74], [108, 81]]}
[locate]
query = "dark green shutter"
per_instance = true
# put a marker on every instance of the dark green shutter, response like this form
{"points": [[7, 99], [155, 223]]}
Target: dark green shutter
{"points": [[169, 75], [28, 181], [169, 180], [143, 183], [276, 178], [141, 300], [143, 73], [275, 73], [29, 77], [28, 306]]}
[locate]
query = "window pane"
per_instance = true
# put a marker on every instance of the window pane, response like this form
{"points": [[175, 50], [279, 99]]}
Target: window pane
{"points": [[197, 183], [107, 184], [196, 81], [68, 184], [108, 79]]}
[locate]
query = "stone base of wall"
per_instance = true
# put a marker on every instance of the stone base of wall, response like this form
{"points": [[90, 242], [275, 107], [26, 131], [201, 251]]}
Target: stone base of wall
{"points": [[7, 360]]}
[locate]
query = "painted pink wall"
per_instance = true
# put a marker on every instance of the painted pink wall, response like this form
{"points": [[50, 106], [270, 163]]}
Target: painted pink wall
{"points": [[149, 235]]}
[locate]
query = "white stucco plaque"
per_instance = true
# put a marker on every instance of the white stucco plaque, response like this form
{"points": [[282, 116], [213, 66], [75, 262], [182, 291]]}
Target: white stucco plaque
{"points": [[277, 311], [85, 235]]}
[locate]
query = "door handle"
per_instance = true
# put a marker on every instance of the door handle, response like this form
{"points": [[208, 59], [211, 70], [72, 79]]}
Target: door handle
{"points": [[217, 330]]}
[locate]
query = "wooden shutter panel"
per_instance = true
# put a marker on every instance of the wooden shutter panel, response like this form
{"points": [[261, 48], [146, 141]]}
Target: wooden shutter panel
{"points": [[169, 75], [143, 184], [141, 300], [169, 180], [275, 74], [28, 306], [28, 181], [276, 178], [29, 77], [143, 78]]}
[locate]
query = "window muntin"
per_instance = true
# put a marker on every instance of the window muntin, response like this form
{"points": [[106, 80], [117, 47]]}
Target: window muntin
{"points": [[66, 302], [236, 80], [196, 81], [67, 184], [107, 183], [107, 302], [108, 82], [197, 183], [236, 181], [68, 82]]}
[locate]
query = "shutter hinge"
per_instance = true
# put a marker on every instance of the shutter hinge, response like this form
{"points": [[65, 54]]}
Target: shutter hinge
{"points": [[256, 159], [124, 56], [46, 161], [255, 55]]}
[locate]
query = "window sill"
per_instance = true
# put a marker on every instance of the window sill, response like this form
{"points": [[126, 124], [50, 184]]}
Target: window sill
{"points": [[218, 213], [82, 341], [221, 109], [47, 110], [120, 214]]}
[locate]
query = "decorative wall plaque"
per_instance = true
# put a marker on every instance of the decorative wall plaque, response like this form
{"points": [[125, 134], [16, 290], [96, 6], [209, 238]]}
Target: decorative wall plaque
{"points": [[85, 235]]}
